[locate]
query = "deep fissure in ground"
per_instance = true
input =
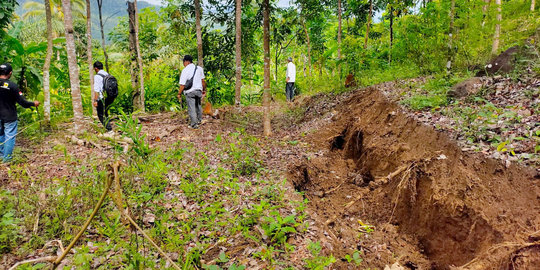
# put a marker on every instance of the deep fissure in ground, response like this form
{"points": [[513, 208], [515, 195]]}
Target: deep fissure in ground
{"points": [[450, 208]]}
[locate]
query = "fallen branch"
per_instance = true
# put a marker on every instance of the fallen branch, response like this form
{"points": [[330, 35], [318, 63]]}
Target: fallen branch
{"points": [[36, 224], [98, 205], [42, 259], [119, 205], [150, 240], [334, 189], [117, 198]]}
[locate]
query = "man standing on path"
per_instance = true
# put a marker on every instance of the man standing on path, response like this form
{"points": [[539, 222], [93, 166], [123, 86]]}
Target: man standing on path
{"points": [[9, 95], [291, 77], [193, 85], [101, 102]]}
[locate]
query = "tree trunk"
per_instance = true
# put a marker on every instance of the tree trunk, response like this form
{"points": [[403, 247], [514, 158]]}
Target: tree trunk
{"points": [[47, 66], [140, 101], [391, 33], [89, 54], [308, 48], [368, 23], [238, 83], [496, 36], [451, 37], [199, 33], [339, 29], [484, 11], [305, 64], [100, 4], [134, 67], [276, 64], [72, 64], [266, 46], [532, 5]]}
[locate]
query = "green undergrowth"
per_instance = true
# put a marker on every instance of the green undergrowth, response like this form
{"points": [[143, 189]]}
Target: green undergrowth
{"points": [[205, 205], [430, 95], [505, 127]]}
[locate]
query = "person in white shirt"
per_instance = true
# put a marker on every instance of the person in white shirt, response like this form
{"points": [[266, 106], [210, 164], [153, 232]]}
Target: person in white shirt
{"points": [[291, 77], [102, 104], [194, 93]]}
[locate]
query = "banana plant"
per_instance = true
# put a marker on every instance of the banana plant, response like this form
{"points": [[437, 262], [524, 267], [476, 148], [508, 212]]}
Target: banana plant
{"points": [[25, 59]]}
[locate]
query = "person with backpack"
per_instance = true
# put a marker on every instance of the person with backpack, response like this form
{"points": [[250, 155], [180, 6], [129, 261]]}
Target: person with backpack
{"points": [[105, 91], [9, 95], [193, 86]]}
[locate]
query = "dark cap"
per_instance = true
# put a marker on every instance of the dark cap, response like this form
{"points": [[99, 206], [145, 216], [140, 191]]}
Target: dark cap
{"points": [[5, 69], [188, 57]]}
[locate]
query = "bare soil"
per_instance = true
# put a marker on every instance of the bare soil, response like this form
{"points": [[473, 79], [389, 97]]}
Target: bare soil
{"points": [[432, 205]]}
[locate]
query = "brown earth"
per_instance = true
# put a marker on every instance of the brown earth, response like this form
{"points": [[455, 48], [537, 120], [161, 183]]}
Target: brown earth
{"points": [[432, 205]]}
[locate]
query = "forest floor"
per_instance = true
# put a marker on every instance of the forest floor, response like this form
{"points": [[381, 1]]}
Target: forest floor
{"points": [[348, 181]]}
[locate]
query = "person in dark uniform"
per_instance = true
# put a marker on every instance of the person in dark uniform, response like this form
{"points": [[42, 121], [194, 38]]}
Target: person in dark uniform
{"points": [[9, 95]]}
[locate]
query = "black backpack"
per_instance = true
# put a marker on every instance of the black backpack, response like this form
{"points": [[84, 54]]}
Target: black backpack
{"points": [[110, 85]]}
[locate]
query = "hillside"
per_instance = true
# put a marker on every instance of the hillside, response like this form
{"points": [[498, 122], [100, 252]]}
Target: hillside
{"points": [[112, 11]]}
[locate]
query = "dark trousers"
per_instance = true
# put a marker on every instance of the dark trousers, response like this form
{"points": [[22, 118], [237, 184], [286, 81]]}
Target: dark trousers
{"points": [[289, 91], [103, 112]]}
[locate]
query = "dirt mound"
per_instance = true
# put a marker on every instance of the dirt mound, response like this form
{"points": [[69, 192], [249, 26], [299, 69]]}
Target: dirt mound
{"points": [[503, 63], [432, 205]]}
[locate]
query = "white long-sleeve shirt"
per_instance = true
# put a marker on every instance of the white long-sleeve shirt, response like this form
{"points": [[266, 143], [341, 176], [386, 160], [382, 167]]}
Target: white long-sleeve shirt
{"points": [[291, 72]]}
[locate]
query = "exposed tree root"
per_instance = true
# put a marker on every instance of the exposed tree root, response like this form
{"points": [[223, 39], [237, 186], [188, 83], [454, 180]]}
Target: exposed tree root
{"points": [[517, 247]]}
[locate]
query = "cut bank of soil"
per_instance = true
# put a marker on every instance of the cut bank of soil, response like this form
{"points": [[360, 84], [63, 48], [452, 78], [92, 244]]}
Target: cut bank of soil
{"points": [[432, 205]]}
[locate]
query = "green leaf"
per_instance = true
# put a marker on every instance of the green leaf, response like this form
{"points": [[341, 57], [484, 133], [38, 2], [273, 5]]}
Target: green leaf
{"points": [[222, 257], [36, 48], [59, 40], [289, 219], [288, 230]]}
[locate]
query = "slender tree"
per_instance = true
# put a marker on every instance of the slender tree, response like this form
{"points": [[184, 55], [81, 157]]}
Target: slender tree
{"points": [[485, 11], [238, 57], [141, 102], [89, 52], [339, 29], [368, 24], [391, 26], [496, 36], [532, 5], [199, 33], [47, 65], [72, 63], [451, 36], [100, 5], [266, 47], [308, 47], [134, 66]]}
